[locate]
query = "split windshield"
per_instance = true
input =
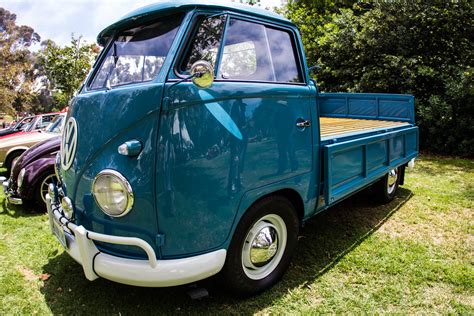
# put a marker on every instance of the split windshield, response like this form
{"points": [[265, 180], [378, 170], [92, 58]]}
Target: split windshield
{"points": [[137, 54]]}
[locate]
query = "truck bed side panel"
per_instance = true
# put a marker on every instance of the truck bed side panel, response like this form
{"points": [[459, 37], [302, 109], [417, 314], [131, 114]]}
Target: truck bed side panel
{"points": [[389, 107], [353, 164]]}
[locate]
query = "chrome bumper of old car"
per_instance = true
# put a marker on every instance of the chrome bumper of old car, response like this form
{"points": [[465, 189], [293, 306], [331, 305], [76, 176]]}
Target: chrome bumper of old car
{"points": [[11, 198], [79, 243]]}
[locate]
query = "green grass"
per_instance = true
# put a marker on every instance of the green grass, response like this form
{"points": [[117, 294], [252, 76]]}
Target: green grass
{"points": [[414, 255]]}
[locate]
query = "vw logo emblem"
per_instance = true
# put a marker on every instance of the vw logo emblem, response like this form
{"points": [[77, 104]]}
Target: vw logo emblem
{"points": [[68, 144]]}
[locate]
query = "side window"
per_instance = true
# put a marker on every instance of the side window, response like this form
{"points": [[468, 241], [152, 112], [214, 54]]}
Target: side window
{"points": [[239, 60], [205, 43], [246, 53], [46, 120], [284, 57], [257, 52]]}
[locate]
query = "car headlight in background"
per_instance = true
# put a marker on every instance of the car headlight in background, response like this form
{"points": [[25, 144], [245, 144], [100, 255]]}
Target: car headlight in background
{"points": [[112, 193], [19, 180]]}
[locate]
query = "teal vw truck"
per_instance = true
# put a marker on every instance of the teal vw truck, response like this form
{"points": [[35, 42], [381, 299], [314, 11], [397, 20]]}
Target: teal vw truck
{"points": [[199, 145]]}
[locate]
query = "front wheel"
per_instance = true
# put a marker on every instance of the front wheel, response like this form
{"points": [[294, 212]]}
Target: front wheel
{"points": [[262, 246], [386, 188], [41, 189]]}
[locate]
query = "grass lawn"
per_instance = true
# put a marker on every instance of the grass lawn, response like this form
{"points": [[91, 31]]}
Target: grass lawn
{"points": [[412, 255]]}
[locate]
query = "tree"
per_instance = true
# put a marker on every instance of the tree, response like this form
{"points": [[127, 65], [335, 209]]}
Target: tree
{"points": [[16, 64], [66, 67], [420, 48], [311, 17]]}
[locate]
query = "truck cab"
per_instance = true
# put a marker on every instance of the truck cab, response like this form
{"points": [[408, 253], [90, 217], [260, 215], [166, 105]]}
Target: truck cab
{"points": [[199, 144]]}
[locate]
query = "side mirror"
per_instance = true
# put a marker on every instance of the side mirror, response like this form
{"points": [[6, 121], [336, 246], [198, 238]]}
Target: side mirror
{"points": [[202, 74]]}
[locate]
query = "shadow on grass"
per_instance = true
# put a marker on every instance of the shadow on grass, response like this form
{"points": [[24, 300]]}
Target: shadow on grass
{"points": [[324, 241], [17, 211]]}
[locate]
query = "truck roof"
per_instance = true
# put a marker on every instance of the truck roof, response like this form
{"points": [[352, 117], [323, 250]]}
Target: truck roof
{"points": [[186, 5]]}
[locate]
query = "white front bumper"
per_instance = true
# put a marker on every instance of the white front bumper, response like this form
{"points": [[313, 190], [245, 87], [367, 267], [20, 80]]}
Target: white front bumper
{"points": [[150, 273]]}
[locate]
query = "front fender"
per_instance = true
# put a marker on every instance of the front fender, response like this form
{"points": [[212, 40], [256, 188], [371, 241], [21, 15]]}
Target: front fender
{"points": [[33, 175]]}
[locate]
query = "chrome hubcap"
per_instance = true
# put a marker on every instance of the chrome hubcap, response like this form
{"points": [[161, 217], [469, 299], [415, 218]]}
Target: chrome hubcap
{"points": [[45, 186], [392, 180], [264, 246]]}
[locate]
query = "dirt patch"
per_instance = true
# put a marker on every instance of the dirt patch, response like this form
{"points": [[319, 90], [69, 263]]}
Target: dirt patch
{"points": [[28, 274]]}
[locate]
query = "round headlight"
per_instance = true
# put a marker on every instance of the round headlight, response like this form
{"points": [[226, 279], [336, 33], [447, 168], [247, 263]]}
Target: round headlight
{"points": [[112, 193], [19, 180]]}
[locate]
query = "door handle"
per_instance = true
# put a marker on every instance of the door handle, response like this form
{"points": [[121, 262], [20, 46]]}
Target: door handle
{"points": [[303, 123]]}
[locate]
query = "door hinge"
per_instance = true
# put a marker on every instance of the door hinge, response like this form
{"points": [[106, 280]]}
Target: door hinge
{"points": [[160, 240]]}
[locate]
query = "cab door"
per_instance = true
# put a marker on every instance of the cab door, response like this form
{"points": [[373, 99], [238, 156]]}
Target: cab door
{"points": [[252, 127]]}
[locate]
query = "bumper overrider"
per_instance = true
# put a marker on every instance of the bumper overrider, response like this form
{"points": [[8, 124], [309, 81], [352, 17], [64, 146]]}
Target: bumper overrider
{"points": [[10, 194], [79, 243]]}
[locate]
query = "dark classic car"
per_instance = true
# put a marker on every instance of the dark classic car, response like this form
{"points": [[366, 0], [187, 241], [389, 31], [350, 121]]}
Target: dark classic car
{"points": [[32, 174]]}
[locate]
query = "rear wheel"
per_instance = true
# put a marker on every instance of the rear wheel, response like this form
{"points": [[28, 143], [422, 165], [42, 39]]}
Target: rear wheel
{"points": [[262, 246], [386, 188]]}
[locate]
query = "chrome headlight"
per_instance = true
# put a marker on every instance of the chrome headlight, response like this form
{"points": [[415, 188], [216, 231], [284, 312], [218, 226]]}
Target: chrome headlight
{"points": [[113, 193], [57, 164], [19, 180], [66, 204]]}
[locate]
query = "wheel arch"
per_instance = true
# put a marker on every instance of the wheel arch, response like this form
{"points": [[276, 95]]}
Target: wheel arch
{"points": [[10, 153], [21, 149], [292, 195], [298, 191], [14, 149]]}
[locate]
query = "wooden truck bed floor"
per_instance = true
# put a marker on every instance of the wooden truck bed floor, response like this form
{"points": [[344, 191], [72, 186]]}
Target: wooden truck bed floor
{"points": [[334, 127]]}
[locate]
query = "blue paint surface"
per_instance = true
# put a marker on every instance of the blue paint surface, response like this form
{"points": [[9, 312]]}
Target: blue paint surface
{"points": [[379, 106], [208, 155], [220, 114]]}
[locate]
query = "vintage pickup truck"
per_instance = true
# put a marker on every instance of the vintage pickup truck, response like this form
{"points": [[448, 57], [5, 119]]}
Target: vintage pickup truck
{"points": [[199, 145]]}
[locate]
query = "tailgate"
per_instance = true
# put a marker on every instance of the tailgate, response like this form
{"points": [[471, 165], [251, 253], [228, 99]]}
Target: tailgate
{"points": [[353, 164]]}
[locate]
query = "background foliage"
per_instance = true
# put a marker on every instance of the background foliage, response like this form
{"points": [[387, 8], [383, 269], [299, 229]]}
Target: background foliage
{"points": [[38, 81], [420, 48], [66, 67], [16, 62]]}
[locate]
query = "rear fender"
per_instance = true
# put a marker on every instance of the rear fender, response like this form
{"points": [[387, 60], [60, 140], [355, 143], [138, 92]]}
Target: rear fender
{"points": [[13, 149]]}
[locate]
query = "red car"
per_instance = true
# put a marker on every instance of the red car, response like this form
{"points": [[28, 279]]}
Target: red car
{"points": [[16, 126], [29, 124]]}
